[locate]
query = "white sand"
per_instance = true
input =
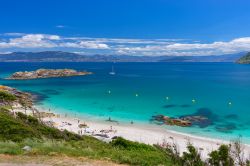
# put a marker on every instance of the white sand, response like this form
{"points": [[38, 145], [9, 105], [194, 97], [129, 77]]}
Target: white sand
{"points": [[148, 134]]}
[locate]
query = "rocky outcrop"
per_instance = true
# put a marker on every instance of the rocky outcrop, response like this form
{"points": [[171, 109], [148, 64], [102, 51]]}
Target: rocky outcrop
{"points": [[183, 121], [194, 118], [46, 73], [22, 98], [171, 121]]}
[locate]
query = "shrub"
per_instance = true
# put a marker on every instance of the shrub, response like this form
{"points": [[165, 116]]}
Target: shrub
{"points": [[192, 157], [129, 145], [6, 97], [23, 126], [237, 152], [221, 157], [12, 129], [171, 150]]}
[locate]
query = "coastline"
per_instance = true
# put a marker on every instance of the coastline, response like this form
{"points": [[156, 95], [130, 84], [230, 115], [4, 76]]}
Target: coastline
{"points": [[148, 134]]}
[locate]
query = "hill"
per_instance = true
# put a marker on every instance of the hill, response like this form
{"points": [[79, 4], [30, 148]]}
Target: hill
{"points": [[245, 59], [60, 56]]}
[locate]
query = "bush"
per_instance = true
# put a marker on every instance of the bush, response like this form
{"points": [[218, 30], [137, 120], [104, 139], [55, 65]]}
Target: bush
{"points": [[12, 129], [129, 145], [221, 157], [192, 157], [6, 97], [27, 119], [171, 150], [23, 126]]}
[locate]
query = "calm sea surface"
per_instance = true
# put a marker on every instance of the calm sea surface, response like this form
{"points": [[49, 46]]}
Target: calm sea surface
{"points": [[139, 91]]}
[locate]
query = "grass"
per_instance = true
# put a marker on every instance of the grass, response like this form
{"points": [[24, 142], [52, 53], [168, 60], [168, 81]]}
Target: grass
{"points": [[23, 127], [91, 148], [15, 133], [53, 160]]}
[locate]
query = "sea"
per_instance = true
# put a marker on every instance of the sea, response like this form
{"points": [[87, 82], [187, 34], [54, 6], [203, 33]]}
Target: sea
{"points": [[140, 91]]}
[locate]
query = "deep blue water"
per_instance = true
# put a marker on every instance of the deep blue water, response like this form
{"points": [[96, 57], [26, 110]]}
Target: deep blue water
{"points": [[212, 85]]}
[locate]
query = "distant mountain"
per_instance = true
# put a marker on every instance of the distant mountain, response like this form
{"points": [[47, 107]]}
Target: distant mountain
{"points": [[46, 56], [211, 58], [245, 59], [60, 56]]}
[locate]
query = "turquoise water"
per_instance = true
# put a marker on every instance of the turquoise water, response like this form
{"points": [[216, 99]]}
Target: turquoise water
{"points": [[212, 85]]}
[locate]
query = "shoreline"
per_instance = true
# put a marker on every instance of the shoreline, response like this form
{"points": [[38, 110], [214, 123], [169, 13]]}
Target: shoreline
{"points": [[148, 134]]}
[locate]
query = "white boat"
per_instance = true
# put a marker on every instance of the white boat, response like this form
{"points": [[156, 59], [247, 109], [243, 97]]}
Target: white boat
{"points": [[112, 72]]}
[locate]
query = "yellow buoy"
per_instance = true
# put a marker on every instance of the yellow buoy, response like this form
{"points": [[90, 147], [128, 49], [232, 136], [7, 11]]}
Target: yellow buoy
{"points": [[167, 98], [194, 101], [230, 103], [136, 95], [109, 92]]}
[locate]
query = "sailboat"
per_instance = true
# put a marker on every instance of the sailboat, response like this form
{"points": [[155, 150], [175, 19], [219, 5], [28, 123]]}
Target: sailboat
{"points": [[112, 72]]}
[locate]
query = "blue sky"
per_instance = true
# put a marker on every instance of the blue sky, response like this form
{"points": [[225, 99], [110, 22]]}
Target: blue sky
{"points": [[136, 27]]}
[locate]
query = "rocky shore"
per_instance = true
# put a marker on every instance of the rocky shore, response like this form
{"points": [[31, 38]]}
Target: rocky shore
{"points": [[11, 97], [19, 101], [46, 73]]}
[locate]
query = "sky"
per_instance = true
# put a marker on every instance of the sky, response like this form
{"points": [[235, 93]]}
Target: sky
{"points": [[131, 27]]}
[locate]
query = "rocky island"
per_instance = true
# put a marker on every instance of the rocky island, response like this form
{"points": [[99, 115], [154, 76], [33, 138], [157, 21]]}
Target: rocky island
{"points": [[46, 73]]}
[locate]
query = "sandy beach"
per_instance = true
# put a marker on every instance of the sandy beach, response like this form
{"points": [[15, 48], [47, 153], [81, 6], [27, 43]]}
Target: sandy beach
{"points": [[148, 134]]}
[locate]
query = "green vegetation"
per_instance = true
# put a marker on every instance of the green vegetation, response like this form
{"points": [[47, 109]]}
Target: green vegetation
{"points": [[191, 157], [22, 130], [245, 59], [19, 130], [220, 156], [6, 97], [15, 133], [22, 127], [226, 155]]}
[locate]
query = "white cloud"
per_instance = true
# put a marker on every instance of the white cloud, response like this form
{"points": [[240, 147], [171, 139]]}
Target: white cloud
{"points": [[182, 49], [49, 41], [125, 41], [147, 47], [6, 52], [53, 37], [14, 34], [84, 44], [31, 41], [69, 45], [93, 45], [60, 26]]}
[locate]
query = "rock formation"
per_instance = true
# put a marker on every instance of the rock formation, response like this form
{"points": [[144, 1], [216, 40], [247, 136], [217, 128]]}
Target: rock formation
{"points": [[46, 73]]}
